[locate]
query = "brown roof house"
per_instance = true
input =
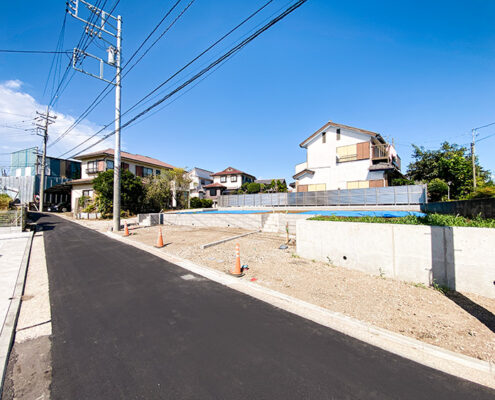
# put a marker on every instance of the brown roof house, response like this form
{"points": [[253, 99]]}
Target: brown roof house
{"points": [[99, 161], [344, 157], [227, 181]]}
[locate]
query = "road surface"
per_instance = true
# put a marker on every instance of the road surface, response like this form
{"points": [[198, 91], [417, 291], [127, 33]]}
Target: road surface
{"points": [[126, 325]]}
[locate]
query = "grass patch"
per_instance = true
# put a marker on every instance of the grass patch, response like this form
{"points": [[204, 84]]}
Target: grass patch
{"points": [[429, 219]]}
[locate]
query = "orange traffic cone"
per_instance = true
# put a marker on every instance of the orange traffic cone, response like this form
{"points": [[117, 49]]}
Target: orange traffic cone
{"points": [[126, 229], [159, 242], [237, 268]]}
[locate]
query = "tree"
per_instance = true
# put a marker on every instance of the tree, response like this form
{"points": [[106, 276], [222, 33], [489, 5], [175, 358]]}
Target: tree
{"points": [[451, 163], [281, 186], [131, 190], [157, 192], [180, 185]]}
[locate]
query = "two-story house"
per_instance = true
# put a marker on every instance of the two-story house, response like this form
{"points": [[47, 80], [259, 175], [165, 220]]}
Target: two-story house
{"points": [[343, 157], [99, 161], [199, 179], [227, 181]]}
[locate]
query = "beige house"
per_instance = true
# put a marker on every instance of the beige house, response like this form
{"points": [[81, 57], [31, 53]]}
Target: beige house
{"points": [[99, 161]]}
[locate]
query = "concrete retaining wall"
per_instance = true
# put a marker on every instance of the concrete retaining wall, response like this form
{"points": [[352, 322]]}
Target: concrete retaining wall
{"points": [[244, 221], [466, 208], [460, 258]]}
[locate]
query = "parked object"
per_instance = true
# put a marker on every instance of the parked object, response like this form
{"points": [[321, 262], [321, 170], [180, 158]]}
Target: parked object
{"points": [[126, 229], [60, 207]]}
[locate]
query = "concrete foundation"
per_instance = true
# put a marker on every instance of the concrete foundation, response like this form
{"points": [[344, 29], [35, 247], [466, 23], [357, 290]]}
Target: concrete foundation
{"points": [[460, 258]]}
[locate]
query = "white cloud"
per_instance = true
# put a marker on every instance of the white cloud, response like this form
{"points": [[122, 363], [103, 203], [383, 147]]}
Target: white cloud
{"points": [[13, 84], [17, 110]]}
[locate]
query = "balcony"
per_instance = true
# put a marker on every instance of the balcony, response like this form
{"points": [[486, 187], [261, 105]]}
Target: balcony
{"points": [[380, 156]]}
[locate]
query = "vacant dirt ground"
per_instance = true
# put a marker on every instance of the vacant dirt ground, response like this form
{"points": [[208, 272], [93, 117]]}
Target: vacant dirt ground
{"points": [[463, 323]]}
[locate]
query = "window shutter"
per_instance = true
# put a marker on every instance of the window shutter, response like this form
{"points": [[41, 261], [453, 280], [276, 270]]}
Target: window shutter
{"points": [[363, 150], [139, 171]]}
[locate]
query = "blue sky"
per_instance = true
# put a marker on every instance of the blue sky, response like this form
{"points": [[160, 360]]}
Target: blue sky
{"points": [[416, 71]]}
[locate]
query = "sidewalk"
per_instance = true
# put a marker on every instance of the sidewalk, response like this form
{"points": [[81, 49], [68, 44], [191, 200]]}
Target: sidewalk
{"points": [[14, 255]]}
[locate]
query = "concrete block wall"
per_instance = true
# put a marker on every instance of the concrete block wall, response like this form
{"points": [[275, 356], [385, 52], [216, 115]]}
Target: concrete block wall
{"points": [[460, 258]]}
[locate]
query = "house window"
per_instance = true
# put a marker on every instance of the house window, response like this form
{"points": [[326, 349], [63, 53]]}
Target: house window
{"points": [[139, 170], [109, 164], [203, 182], [324, 137], [338, 133], [124, 166], [233, 178], [213, 192], [87, 193], [147, 171], [92, 167], [158, 172], [223, 179]]}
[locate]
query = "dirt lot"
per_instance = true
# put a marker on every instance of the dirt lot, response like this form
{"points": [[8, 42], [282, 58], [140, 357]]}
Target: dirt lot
{"points": [[463, 323]]}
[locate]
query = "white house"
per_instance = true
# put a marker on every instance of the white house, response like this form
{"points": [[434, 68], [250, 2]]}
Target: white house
{"points": [[93, 163], [199, 178], [227, 181], [343, 157]]}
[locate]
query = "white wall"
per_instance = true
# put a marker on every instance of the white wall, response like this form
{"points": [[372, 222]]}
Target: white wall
{"points": [[461, 258], [76, 192], [322, 159], [229, 184]]}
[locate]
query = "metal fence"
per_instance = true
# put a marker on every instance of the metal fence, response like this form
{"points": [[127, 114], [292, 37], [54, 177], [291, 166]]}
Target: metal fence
{"points": [[391, 195], [13, 218], [18, 187]]}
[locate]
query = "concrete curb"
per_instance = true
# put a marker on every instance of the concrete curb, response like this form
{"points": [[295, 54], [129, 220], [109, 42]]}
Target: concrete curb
{"points": [[8, 330], [205, 246], [481, 372]]}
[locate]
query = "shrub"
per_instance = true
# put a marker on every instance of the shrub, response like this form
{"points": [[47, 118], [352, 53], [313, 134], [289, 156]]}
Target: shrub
{"points": [[206, 203], [5, 201], [253, 187], [437, 189], [483, 192], [402, 182], [196, 202]]}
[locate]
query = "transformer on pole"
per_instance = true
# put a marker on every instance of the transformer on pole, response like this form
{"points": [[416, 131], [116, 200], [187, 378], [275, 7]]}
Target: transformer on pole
{"points": [[111, 26]]}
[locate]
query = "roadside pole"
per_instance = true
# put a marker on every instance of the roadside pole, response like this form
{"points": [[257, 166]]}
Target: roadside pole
{"points": [[42, 122]]}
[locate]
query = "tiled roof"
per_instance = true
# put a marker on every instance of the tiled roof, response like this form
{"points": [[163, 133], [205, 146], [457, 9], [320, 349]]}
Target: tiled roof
{"points": [[214, 185], [79, 181], [335, 125], [304, 171], [269, 181], [128, 156], [231, 171]]}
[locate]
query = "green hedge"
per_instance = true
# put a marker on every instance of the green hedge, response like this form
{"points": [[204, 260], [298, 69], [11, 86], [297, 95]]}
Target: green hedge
{"points": [[429, 219]]}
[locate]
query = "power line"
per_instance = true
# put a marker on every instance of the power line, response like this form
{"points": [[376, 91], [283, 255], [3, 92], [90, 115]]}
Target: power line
{"points": [[204, 70], [95, 102], [179, 71], [35, 51]]}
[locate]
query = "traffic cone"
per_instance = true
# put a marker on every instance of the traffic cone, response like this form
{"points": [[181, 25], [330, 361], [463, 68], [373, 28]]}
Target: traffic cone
{"points": [[159, 242], [237, 268], [126, 229]]}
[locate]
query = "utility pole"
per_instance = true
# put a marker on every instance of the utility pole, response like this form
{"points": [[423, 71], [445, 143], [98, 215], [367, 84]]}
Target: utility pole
{"points": [[75, 8], [43, 120], [473, 161]]}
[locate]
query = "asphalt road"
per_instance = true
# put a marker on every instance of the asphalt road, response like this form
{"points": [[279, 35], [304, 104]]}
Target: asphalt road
{"points": [[127, 326]]}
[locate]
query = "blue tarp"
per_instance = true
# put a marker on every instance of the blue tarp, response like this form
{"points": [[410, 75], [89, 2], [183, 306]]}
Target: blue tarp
{"points": [[338, 213], [384, 214]]}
